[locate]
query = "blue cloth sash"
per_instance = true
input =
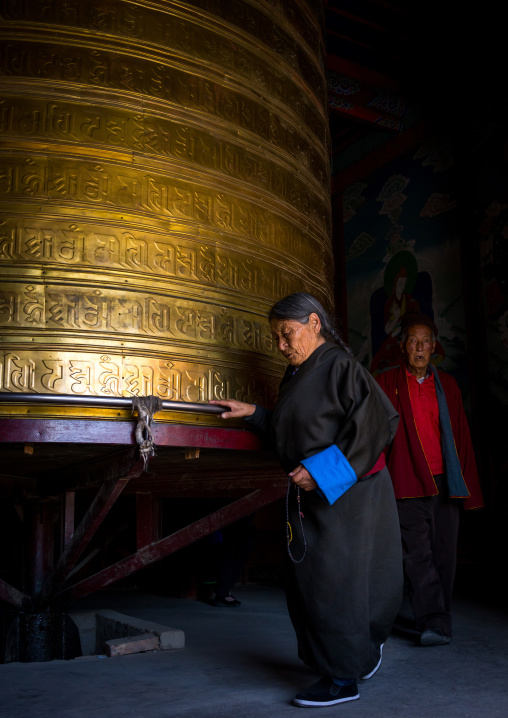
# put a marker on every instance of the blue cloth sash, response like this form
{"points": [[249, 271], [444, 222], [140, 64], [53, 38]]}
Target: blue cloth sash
{"points": [[456, 485], [332, 472]]}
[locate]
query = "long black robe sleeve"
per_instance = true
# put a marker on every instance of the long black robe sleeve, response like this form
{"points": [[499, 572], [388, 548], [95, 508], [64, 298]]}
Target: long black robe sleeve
{"points": [[260, 420], [332, 399]]}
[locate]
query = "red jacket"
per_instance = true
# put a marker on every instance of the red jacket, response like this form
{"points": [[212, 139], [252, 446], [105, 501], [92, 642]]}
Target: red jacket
{"points": [[406, 459]]}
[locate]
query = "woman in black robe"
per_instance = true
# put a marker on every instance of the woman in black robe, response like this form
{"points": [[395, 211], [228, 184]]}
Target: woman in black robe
{"points": [[329, 427]]}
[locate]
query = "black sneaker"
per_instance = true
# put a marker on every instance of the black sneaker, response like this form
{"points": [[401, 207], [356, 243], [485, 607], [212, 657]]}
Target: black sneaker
{"points": [[326, 693], [434, 637], [229, 601]]}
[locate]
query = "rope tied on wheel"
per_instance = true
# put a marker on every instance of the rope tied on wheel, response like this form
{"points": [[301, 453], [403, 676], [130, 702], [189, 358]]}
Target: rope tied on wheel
{"points": [[146, 406]]}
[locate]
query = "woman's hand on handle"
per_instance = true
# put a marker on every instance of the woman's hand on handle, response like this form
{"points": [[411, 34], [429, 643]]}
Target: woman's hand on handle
{"points": [[301, 477], [237, 409]]}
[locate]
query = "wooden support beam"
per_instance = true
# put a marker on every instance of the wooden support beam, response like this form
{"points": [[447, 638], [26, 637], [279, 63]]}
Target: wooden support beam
{"points": [[87, 431], [11, 595], [184, 537], [91, 473], [100, 507], [68, 516], [147, 520], [171, 484], [38, 544]]}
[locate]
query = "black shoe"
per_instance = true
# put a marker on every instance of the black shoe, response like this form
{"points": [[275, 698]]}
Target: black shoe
{"points": [[434, 637], [228, 601], [326, 693]]}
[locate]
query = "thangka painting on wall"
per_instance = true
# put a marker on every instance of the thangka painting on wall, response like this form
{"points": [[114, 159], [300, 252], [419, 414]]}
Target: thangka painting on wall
{"points": [[402, 256], [406, 291]]}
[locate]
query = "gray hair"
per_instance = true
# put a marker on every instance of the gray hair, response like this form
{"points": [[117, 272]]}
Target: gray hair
{"points": [[299, 307]]}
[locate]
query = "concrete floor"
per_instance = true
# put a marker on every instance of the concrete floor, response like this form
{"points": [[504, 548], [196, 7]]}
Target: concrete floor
{"points": [[241, 663]]}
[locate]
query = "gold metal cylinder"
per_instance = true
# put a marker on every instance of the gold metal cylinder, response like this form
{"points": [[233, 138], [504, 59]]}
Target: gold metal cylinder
{"points": [[164, 178]]}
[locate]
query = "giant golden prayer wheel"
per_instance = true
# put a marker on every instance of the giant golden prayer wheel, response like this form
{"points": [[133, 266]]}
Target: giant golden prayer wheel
{"points": [[164, 179]]}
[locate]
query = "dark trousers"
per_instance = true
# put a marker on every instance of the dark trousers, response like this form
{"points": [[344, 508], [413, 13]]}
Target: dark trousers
{"points": [[429, 528], [225, 554]]}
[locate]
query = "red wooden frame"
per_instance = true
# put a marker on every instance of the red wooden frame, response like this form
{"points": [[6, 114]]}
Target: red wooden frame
{"points": [[89, 431], [111, 474], [168, 545], [11, 595]]}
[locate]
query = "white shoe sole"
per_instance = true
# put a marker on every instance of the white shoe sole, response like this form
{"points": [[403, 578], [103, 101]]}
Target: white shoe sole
{"points": [[317, 704], [434, 640], [375, 670]]}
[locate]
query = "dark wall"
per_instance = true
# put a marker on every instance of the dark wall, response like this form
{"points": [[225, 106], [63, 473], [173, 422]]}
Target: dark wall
{"points": [[434, 218]]}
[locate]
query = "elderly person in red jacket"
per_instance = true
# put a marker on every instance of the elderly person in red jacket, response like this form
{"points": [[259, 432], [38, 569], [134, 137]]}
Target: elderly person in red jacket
{"points": [[433, 469]]}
